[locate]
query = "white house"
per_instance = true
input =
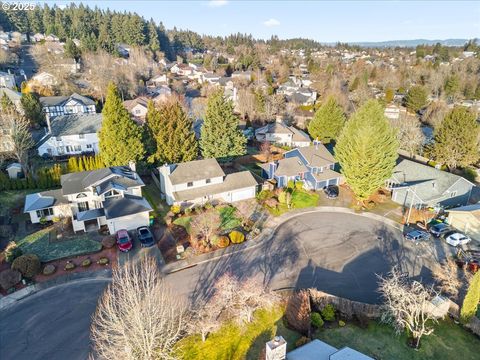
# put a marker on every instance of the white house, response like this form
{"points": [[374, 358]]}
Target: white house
{"points": [[393, 111], [137, 108], [44, 79], [7, 80], [64, 105], [71, 135], [109, 197], [202, 181], [279, 133]]}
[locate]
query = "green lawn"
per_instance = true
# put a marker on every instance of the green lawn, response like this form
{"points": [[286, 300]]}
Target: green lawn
{"points": [[10, 199], [152, 195], [227, 216], [39, 244], [238, 342], [184, 221], [300, 199], [449, 341]]}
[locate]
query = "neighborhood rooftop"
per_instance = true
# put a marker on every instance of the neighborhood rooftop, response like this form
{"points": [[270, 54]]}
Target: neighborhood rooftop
{"points": [[76, 124], [317, 155], [60, 100], [195, 170]]}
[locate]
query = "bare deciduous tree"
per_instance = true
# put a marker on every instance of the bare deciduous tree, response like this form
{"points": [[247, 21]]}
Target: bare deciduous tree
{"points": [[407, 305], [206, 319], [409, 134], [246, 103], [447, 277], [138, 316], [205, 225]]}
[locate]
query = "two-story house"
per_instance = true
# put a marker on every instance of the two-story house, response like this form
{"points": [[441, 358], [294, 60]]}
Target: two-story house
{"points": [[280, 133], [202, 181], [64, 105], [71, 135], [313, 165], [109, 197]]}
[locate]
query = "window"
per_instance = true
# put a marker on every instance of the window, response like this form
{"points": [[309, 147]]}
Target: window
{"points": [[453, 194], [190, 184], [60, 150], [89, 146], [208, 181], [68, 149], [44, 213], [111, 193], [83, 206], [77, 148]]}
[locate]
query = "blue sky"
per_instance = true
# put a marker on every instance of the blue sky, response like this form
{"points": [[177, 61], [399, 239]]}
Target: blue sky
{"points": [[325, 21]]}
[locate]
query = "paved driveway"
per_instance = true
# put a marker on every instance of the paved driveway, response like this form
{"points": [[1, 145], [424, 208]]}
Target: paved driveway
{"points": [[335, 252]]}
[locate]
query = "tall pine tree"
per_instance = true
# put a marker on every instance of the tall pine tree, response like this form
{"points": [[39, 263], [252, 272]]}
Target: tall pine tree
{"points": [[120, 139], [457, 139], [171, 133], [220, 136], [367, 150], [327, 122]]}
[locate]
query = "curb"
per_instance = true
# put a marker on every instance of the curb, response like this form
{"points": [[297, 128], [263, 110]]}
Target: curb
{"points": [[15, 297]]}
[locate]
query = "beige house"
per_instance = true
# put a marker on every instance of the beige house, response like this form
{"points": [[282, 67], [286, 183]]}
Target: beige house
{"points": [[466, 219]]}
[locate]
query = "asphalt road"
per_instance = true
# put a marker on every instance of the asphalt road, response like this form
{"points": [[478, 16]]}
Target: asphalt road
{"points": [[338, 253]]}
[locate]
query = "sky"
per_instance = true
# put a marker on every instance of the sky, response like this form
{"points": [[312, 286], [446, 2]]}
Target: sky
{"points": [[324, 21]]}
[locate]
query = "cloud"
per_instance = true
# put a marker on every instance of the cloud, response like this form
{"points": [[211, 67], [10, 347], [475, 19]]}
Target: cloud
{"points": [[271, 22], [217, 3]]}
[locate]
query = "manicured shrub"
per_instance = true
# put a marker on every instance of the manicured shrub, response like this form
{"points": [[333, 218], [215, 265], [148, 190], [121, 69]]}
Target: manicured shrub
{"points": [[341, 323], [188, 211], [223, 241], [237, 237], [175, 209], [282, 197], [9, 278], [69, 266], [316, 320], [108, 241], [103, 261], [264, 195], [28, 265], [12, 251], [302, 341], [49, 269], [86, 263], [328, 312], [299, 185]]}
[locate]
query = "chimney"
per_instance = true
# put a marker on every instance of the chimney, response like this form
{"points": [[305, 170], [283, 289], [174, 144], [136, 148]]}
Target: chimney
{"points": [[132, 166], [276, 349]]}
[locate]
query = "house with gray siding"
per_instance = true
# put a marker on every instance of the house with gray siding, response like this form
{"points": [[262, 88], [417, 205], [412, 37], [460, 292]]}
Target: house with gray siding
{"points": [[313, 165], [421, 186]]}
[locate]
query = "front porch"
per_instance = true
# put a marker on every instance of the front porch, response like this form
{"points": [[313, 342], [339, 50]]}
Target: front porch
{"points": [[89, 220]]}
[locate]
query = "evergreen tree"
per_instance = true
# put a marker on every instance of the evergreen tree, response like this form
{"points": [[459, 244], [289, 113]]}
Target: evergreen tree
{"points": [[389, 95], [327, 122], [71, 50], [32, 108], [220, 136], [452, 86], [456, 139], [172, 134], [6, 104], [72, 164], [120, 139], [367, 150], [153, 41], [416, 98]]}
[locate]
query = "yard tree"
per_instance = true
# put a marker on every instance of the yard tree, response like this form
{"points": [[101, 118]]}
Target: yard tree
{"points": [[138, 316], [220, 136], [406, 305], [205, 225], [171, 133], [447, 278], [471, 300], [389, 95], [327, 122], [71, 50], [367, 150], [120, 139], [409, 134], [32, 108], [457, 139], [416, 98]]}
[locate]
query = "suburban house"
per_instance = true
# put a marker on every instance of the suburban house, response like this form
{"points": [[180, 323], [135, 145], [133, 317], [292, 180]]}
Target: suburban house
{"points": [[109, 197], [466, 219], [313, 165], [65, 105], [420, 186], [202, 181], [160, 93], [44, 79], [279, 133], [14, 97], [7, 80], [181, 69], [158, 80], [137, 108], [71, 135], [242, 75], [211, 78], [393, 111]]}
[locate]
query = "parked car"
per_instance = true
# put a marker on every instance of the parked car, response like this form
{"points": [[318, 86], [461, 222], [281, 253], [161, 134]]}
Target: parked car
{"points": [[145, 236], [417, 235], [124, 242], [439, 229], [456, 238], [331, 191]]}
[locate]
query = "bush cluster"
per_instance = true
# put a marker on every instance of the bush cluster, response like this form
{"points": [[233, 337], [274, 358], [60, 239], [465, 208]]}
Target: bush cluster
{"points": [[175, 209], [328, 312], [69, 266], [103, 261], [316, 320], [49, 269], [237, 237], [28, 265]]}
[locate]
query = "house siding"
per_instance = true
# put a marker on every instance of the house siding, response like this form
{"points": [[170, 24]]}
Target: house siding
{"points": [[54, 145], [466, 222]]}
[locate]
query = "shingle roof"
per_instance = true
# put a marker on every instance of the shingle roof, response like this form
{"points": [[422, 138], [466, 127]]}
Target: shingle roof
{"points": [[130, 104], [116, 207], [76, 124], [60, 100], [290, 167], [195, 170], [473, 209], [12, 95], [317, 155], [43, 200]]}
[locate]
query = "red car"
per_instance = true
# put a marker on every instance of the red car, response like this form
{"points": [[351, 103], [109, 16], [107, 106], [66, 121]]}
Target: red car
{"points": [[124, 241]]}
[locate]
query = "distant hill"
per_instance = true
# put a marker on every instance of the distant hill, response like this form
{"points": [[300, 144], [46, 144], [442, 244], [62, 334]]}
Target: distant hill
{"points": [[411, 43]]}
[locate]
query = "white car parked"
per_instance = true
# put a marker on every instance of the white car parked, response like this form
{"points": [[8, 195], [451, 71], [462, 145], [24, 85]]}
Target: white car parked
{"points": [[456, 239]]}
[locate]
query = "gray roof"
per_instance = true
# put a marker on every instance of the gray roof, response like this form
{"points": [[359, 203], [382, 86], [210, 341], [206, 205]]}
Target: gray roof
{"points": [[314, 350], [116, 207], [12, 95], [90, 214], [290, 167], [317, 155], [43, 200], [235, 181], [298, 98], [326, 174], [60, 100], [76, 124], [349, 354], [77, 182], [195, 170], [299, 135], [427, 182]]}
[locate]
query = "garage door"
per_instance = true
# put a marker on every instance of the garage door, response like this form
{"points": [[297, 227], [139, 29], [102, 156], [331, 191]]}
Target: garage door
{"points": [[243, 194], [128, 222], [333, 181], [321, 185]]}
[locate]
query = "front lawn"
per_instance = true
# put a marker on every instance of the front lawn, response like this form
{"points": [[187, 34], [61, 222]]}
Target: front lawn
{"points": [[39, 243], [227, 215], [152, 194], [301, 199]]}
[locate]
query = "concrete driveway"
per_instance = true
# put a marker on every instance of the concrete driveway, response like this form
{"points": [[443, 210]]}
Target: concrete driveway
{"points": [[137, 251], [335, 252]]}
